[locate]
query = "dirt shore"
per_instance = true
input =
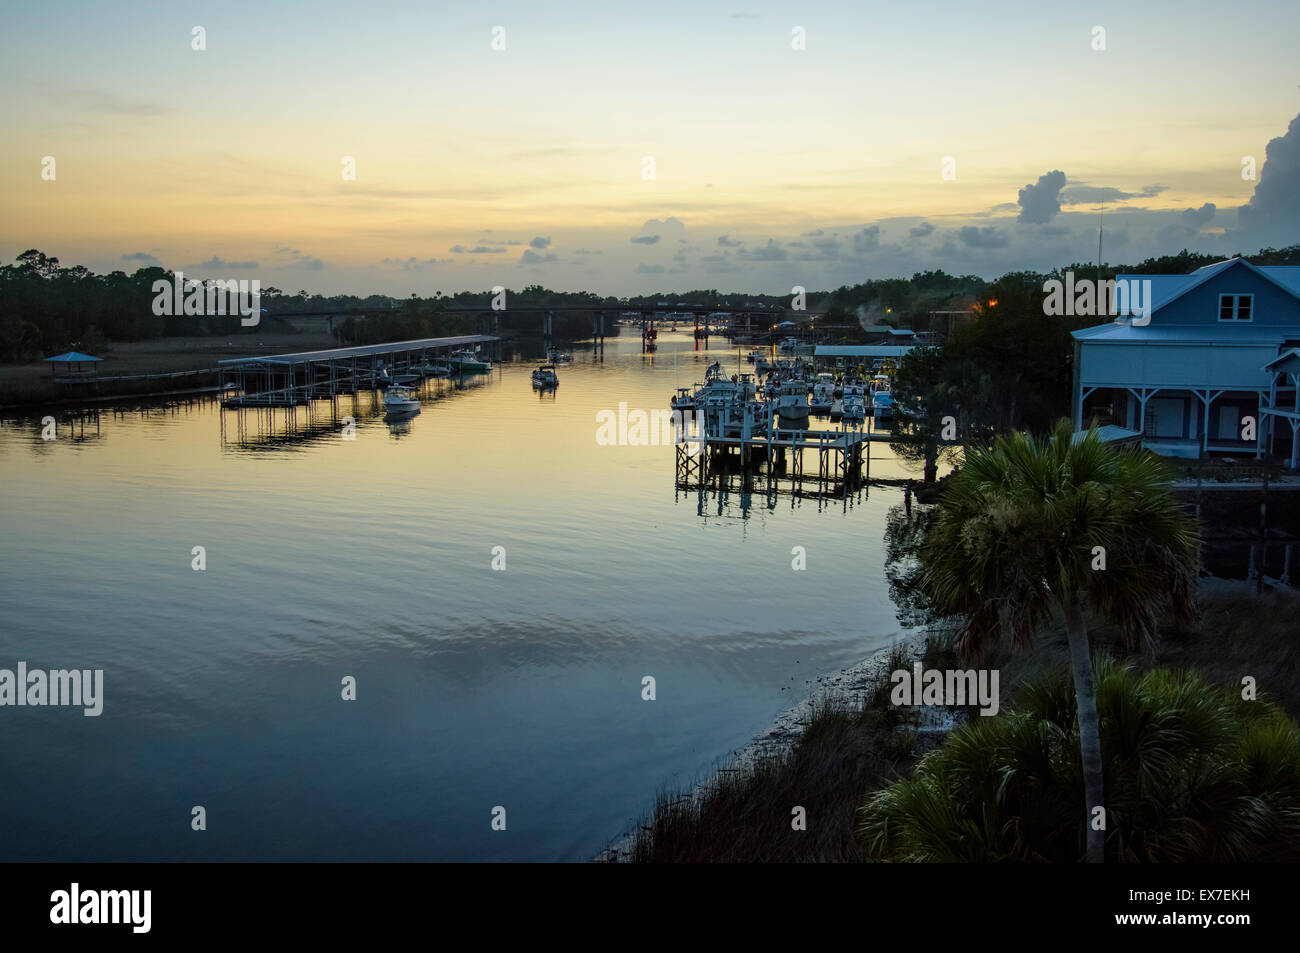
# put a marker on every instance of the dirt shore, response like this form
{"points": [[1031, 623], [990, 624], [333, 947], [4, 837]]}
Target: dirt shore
{"points": [[30, 385]]}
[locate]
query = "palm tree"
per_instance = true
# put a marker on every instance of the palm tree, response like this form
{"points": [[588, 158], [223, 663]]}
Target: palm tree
{"points": [[1031, 527]]}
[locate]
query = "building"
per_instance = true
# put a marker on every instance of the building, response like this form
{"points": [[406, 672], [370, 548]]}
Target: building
{"points": [[1215, 368]]}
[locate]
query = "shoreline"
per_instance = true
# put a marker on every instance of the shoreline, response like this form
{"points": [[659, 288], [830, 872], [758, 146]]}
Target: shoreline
{"points": [[844, 687]]}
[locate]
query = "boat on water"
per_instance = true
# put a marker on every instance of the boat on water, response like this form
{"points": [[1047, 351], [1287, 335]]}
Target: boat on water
{"points": [[853, 406], [468, 362], [823, 394], [545, 376], [400, 399], [560, 357], [791, 398], [684, 399], [435, 369]]}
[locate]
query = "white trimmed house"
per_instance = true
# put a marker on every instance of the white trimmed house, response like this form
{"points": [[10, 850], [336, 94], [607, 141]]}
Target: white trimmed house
{"points": [[1222, 345]]}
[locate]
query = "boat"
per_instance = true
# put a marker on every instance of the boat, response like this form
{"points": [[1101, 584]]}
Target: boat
{"points": [[560, 357], [684, 399], [792, 404], [853, 405], [545, 376], [400, 399], [882, 401], [468, 362], [823, 394], [434, 369], [754, 355]]}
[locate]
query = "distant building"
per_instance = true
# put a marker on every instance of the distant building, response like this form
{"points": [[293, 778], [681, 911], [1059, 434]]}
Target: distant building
{"points": [[1216, 369], [72, 367]]}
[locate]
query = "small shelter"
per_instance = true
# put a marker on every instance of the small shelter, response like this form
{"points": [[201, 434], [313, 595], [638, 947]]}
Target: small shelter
{"points": [[72, 366]]}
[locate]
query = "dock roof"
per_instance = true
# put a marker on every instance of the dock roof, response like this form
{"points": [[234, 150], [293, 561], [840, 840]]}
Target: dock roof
{"points": [[861, 350], [343, 353]]}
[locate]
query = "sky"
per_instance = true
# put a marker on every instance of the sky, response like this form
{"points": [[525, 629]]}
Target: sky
{"points": [[635, 148]]}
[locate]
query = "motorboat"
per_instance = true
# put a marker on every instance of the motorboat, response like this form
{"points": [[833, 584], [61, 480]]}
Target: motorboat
{"points": [[853, 407], [400, 399], [545, 376], [468, 362], [684, 399], [435, 369], [791, 399], [823, 394]]}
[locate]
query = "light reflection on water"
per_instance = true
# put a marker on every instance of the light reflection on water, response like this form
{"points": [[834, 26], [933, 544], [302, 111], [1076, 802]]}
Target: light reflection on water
{"points": [[371, 558]]}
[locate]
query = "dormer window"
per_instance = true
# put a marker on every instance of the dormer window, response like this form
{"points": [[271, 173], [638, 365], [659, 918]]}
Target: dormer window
{"points": [[1235, 307]]}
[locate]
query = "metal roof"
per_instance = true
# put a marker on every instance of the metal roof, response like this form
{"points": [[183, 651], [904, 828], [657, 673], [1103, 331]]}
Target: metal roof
{"points": [[342, 353], [1117, 333], [1108, 434], [862, 350], [73, 357]]}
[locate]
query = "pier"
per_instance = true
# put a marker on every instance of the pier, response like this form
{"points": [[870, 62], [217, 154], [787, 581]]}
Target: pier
{"points": [[290, 380]]}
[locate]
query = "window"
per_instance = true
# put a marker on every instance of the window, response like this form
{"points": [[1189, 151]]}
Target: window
{"points": [[1235, 307]]}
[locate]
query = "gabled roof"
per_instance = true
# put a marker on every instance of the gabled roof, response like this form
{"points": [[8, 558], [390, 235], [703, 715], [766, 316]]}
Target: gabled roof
{"points": [[1166, 289], [1292, 354], [73, 357]]}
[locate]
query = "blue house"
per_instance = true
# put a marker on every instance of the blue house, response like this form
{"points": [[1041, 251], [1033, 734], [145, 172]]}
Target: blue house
{"points": [[1215, 368]]}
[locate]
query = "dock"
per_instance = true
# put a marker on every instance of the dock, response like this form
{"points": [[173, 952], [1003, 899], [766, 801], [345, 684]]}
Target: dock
{"points": [[291, 380]]}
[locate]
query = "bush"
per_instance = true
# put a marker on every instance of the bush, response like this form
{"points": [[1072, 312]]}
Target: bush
{"points": [[1192, 774]]}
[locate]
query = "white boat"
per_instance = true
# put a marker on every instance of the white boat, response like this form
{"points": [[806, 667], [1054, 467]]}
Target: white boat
{"points": [[399, 399], [435, 369], [468, 362], [792, 404], [545, 376], [684, 399], [560, 357], [853, 407], [823, 394]]}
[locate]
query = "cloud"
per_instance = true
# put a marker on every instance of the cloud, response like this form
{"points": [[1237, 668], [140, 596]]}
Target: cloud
{"points": [[310, 263], [476, 250], [143, 256], [216, 263], [650, 269], [668, 225], [646, 239], [921, 231], [540, 242], [726, 241], [1273, 213], [587, 251], [530, 257], [102, 101], [1041, 203], [769, 252], [986, 237], [1198, 218], [1080, 194], [867, 240]]}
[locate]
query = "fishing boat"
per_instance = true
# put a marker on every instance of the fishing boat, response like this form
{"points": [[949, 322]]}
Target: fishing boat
{"points": [[792, 404], [468, 362], [823, 394], [435, 369], [399, 399], [853, 407], [545, 376], [754, 355], [560, 357], [684, 399]]}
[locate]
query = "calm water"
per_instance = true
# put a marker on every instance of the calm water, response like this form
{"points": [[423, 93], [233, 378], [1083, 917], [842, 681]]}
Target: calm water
{"points": [[372, 558]]}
